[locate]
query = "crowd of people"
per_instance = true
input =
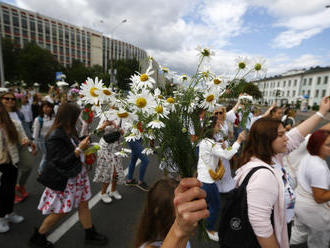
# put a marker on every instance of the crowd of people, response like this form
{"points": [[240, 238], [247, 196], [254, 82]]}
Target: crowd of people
{"points": [[286, 203]]}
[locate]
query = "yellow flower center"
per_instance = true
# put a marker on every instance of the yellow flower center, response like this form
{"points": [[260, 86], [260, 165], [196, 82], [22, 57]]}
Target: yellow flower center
{"points": [[92, 92], [217, 81], [170, 100], [107, 92], [257, 67], [122, 115], [160, 97], [159, 109], [241, 65], [209, 98], [205, 74], [141, 102], [144, 77], [206, 52], [165, 69]]}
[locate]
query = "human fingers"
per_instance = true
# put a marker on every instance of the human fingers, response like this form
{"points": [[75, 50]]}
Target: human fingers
{"points": [[193, 206], [187, 183], [189, 195]]}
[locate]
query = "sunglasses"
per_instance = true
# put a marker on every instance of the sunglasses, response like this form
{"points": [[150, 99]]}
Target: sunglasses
{"points": [[9, 98], [219, 113]]}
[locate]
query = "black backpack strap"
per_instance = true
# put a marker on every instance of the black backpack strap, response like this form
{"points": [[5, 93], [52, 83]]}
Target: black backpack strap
{"points": [[251, 172]]}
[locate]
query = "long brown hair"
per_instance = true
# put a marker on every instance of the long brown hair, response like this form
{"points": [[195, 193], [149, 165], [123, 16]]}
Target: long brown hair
{"points": [[259, 142], [66, 117], [8, 125], [158, 214]]}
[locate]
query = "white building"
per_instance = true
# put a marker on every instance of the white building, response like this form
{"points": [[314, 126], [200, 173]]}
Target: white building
{"points": [[65, 41], [295, 85]]}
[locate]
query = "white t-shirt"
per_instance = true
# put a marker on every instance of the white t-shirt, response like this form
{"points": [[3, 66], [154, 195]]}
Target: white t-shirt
{"points": [[313, 172], [26, 110], [14, 116]]}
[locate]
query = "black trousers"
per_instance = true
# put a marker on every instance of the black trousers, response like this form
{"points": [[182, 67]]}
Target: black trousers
{"points": [[7, 188]]}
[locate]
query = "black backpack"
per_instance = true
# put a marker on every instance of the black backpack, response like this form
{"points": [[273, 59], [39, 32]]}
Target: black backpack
{"points": [[235, 230]]}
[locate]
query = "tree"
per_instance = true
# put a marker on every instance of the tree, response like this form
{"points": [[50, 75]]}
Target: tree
{"points": [[77, 72], [37, 65], [125, 69], [10, 54], [243, 87]]}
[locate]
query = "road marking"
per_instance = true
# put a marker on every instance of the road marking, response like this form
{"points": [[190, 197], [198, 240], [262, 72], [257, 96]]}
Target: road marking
{"points": [[70, 222]]}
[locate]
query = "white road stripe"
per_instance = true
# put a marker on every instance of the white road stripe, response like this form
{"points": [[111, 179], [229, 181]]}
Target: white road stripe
{"points": [[69, 223]]}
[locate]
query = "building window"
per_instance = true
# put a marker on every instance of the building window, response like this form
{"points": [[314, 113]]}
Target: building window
{"points": [[32, 25], [284, 83], [325, 80], [6, 18], [323, 93], [294, 93], [289, 83], [288, 93], [15, 21], [305, 81], [310, 81], [318, 80], [308, 93], [7, 29], [40, 28], [55, 49], [295, 82], [317, 93], [303, 93], [24, 22]]}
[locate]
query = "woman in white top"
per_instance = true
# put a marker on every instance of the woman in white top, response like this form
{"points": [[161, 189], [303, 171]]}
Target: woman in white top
{"points": [[41, 126], [210, 152], [312, 223]]}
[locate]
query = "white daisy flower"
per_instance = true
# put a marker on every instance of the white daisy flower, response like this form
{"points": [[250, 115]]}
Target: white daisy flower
{"points": [[242, 63], [91, 91], [206, 73], [156, 124], [123, 153], [106, 95], [147, 151], [170, 103], [183, 77], [143, 101], [143, 81], [215, 82], [134, 135], [259, 66], [161, 110], [205, 53], [209, 101]]}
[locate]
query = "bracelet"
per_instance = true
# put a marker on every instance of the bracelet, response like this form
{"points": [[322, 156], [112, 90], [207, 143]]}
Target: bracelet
{"points": [[320, 115], [79, 150]]}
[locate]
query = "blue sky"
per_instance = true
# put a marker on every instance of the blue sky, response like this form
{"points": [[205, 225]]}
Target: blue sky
{"points": [[286, 33]]}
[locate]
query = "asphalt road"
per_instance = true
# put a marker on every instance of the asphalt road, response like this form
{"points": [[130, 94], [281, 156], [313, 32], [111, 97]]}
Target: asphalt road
{"points": [[118, 220]]}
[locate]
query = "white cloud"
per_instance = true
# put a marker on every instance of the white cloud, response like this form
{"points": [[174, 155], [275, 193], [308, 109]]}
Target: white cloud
{"points": [[302, 20], [170, 30]]}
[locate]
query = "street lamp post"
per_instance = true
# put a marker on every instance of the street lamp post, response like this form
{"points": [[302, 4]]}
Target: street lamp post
{"points": [[112, 49]]}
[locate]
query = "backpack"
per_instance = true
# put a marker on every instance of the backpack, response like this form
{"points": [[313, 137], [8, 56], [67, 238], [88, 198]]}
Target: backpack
{"points": [[235, 230]]}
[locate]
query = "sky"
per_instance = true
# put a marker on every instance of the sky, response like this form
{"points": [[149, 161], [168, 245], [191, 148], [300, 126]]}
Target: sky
{"points": [[288, 34]]}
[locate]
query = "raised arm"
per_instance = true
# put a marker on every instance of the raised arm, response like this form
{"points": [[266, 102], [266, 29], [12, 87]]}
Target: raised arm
{"points": [[190, 207], [308, 125]]}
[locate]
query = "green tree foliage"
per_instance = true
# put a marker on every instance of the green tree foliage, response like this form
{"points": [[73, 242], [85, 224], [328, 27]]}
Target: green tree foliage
{"points": [[243, 87], [10, 59], [125, 69], [37, 65]]}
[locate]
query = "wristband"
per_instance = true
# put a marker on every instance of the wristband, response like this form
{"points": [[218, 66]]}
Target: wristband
{"points": [[320, 115], [79, 150]]}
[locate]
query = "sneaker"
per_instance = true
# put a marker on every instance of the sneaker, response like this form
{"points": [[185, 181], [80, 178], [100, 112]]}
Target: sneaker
{"points": [[143, 186], [116, 195], [14, 218], [131, 182], [4, 227], [39, 240], [18, 199], [213, 235], [105, 198], [92, 237], [22, 191]]}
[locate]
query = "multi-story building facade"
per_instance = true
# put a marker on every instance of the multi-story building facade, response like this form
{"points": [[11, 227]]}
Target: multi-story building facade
{"points": [[296, 85], [65, 41]]}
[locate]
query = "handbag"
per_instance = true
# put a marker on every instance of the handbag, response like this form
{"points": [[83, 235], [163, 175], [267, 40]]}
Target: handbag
{"points": [[112, 137]]}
